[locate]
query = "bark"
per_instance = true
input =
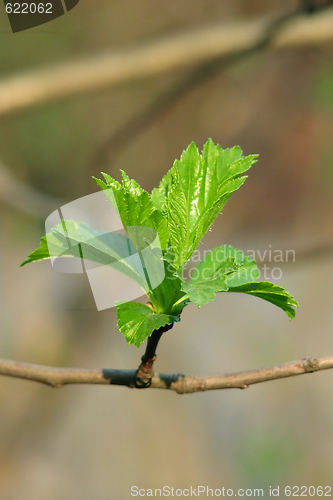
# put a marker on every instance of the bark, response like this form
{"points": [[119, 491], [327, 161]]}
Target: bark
{"points": [[58, 377]]}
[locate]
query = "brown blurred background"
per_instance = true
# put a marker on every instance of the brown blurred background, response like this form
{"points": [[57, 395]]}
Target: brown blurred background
{"points": [[96, 442]]}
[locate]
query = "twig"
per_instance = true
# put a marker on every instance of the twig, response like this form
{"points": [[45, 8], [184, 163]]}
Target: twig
{"points": [[145, 372], [57, 377], [186, 50]]}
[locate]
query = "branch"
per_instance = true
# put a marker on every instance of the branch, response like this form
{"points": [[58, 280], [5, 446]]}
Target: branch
{"points": [[180, 51], [57, 377]]}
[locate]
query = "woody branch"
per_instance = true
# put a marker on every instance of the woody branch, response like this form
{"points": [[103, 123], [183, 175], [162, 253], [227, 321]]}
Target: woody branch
{"points": [[182, 384]]}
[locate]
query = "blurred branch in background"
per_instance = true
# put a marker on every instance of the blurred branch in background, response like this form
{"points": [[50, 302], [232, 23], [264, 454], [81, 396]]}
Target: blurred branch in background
{"points": [[57, 377], [270, 34], [25, 198], [185, 50]]}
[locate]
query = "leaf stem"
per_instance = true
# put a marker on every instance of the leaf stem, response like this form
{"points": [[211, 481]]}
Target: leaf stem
{"points": [[145, 372]]}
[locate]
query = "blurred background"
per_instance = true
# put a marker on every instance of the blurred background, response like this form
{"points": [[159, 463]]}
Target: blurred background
{"points": [[95, 442]]}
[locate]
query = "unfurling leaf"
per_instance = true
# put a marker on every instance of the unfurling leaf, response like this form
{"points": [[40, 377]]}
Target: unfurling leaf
{"points": [[194, 191], [134, 206]]}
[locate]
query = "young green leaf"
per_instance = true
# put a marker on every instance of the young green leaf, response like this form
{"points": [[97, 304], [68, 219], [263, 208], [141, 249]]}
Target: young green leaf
{"points": [[134, 206], [244, 271], [194, 192], [201, 293], [159, 194], [40, 253], [207, 280], [137, 321], [236, 273], [77, 239], [270, 292], [221, 268]]}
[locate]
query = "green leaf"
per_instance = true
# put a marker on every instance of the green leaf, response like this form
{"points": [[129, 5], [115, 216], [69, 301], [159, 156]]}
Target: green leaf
{"points": [[77, 239], [201, 293], [270, 292], [194, 192], [40, 253], [137, 321], [226, 269], [221, 268], [244, 269], [207, 279], [134, 206], [160, 194]]}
